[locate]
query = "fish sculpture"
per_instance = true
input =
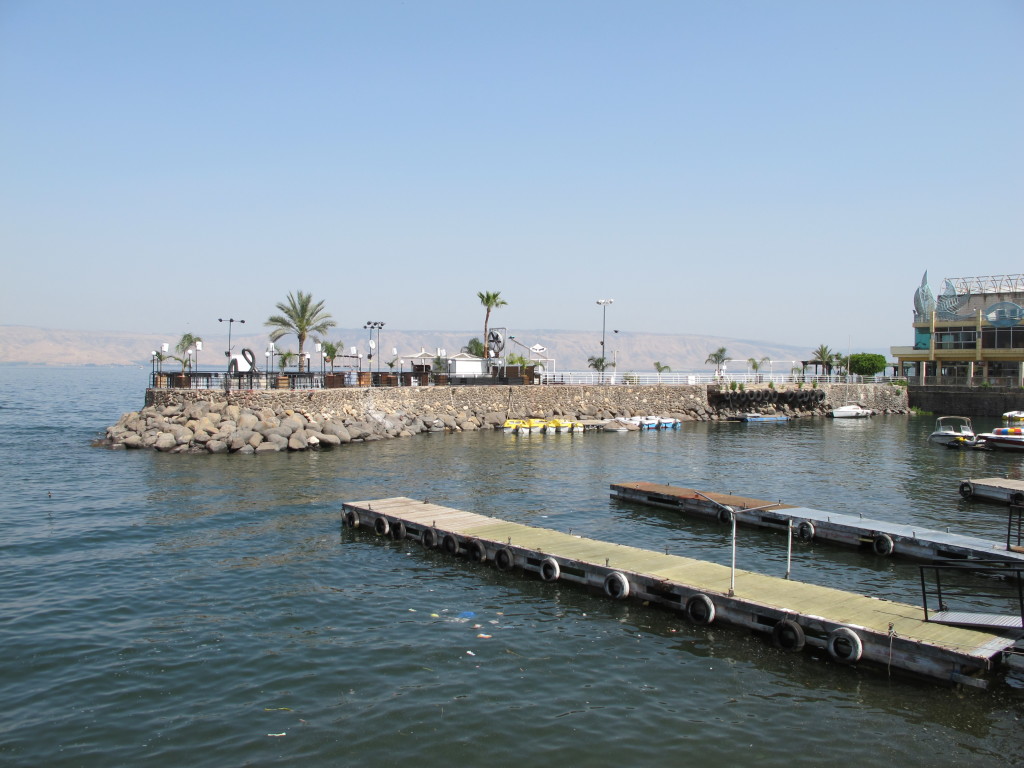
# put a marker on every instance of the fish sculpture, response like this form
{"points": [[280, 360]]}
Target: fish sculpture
{"points": [[949, 302], [924, 301], [1004, 314]]}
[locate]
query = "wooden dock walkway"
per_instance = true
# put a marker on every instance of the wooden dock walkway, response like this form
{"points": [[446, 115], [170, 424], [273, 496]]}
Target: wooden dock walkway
{"points": [[881, 537], [994, 489], [850, 627]]}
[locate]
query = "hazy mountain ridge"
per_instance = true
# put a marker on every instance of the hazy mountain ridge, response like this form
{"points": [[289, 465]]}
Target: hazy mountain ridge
{"points": [[633, 351]]}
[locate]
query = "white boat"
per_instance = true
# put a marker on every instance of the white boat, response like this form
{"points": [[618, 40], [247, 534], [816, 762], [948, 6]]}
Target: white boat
{"points": [[668, 422], [852, 411], [953, 430], [1013, 416], [1003, 438]]}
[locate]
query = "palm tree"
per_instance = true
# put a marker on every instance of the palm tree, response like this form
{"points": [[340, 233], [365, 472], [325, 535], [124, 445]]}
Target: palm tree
{"points": [[332, 349], [599, 364], [284, 359], [491, 301], [185, 344], [661, 369], [824, 357], [474, 347], [301, 317], [717, 359], [755, 364]]}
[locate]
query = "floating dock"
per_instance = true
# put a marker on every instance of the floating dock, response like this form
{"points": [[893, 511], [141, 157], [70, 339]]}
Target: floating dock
{"points": [[850, 627], [994, 489], [881, 537]]}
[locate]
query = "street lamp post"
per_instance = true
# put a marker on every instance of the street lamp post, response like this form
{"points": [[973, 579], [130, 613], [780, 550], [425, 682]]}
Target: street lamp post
{"points": [[373, 325], [230, 321], [603, 303]]}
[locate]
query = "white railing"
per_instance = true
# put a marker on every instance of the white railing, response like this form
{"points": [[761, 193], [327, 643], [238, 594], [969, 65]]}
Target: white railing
{"points": [[681, 379]]}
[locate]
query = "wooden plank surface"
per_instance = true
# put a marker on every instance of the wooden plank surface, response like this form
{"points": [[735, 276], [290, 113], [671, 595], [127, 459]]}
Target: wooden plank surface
{"points": [[833, 605]]}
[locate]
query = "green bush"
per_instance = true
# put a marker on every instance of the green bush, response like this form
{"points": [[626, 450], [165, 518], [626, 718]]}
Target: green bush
{"points": [[864, 364]]}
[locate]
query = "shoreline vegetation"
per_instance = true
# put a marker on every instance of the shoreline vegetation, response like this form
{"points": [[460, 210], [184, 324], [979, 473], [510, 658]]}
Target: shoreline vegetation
{"points": [[247, 422]]}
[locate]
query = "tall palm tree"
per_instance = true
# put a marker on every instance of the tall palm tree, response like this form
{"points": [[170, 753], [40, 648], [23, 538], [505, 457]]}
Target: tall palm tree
{"points": [[824, 357], [717, 359], [491, 301], [301, 317]]}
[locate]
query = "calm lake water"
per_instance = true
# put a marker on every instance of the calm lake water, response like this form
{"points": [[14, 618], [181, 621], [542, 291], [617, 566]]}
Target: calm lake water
{"points": [[211, 611]]}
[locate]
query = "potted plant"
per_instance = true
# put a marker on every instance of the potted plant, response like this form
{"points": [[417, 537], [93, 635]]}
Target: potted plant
{"points": [[185, 348], [284, 359]]}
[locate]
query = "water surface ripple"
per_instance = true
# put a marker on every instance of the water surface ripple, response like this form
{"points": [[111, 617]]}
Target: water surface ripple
{"points": [[211, 610]]}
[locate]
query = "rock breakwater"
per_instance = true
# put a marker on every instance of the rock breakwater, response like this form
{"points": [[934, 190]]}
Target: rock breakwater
{"points": [[259, 421]]}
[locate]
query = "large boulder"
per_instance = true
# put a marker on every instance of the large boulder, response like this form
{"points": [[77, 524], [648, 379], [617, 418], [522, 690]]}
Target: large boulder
{"points": [[337, 430], [247, 421], [293, 423], [326, 439], [165, 441]]}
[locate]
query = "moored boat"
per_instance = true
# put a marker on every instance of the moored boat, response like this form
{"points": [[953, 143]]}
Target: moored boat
{"points": [[953, 431], [852, 411], [759, 417], [513, 426], [553, 426], [1013, 416], [1003, 438]]}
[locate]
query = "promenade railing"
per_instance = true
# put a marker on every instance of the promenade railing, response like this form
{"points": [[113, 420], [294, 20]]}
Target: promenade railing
{"points": [[263, 380]]}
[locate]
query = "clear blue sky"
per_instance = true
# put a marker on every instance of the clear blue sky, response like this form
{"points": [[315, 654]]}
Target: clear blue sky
{"points": [[782, 171]]}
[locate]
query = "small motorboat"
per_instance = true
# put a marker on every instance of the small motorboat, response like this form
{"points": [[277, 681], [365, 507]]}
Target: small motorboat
{"points": [[667, 422], [1003, 438], [1013, 416], [759, 417], [533, 425], [852, 411], [953, 431], [619, 425], [553, 426], [514, 426]]}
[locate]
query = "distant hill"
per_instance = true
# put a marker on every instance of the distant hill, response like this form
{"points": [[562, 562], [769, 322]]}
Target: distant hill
{"points": [[569, 349]]}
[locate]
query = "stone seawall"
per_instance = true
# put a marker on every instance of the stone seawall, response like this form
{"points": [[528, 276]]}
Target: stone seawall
{"points": [[966, 401], [252, 421]]}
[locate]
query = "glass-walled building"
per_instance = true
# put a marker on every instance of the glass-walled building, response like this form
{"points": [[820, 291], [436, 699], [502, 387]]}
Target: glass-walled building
{"points": [[972, 333]]}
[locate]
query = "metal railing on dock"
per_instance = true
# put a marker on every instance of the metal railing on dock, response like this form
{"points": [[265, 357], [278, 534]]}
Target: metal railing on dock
{"points": [[985, 585], [881, 538], [849, 627]]}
